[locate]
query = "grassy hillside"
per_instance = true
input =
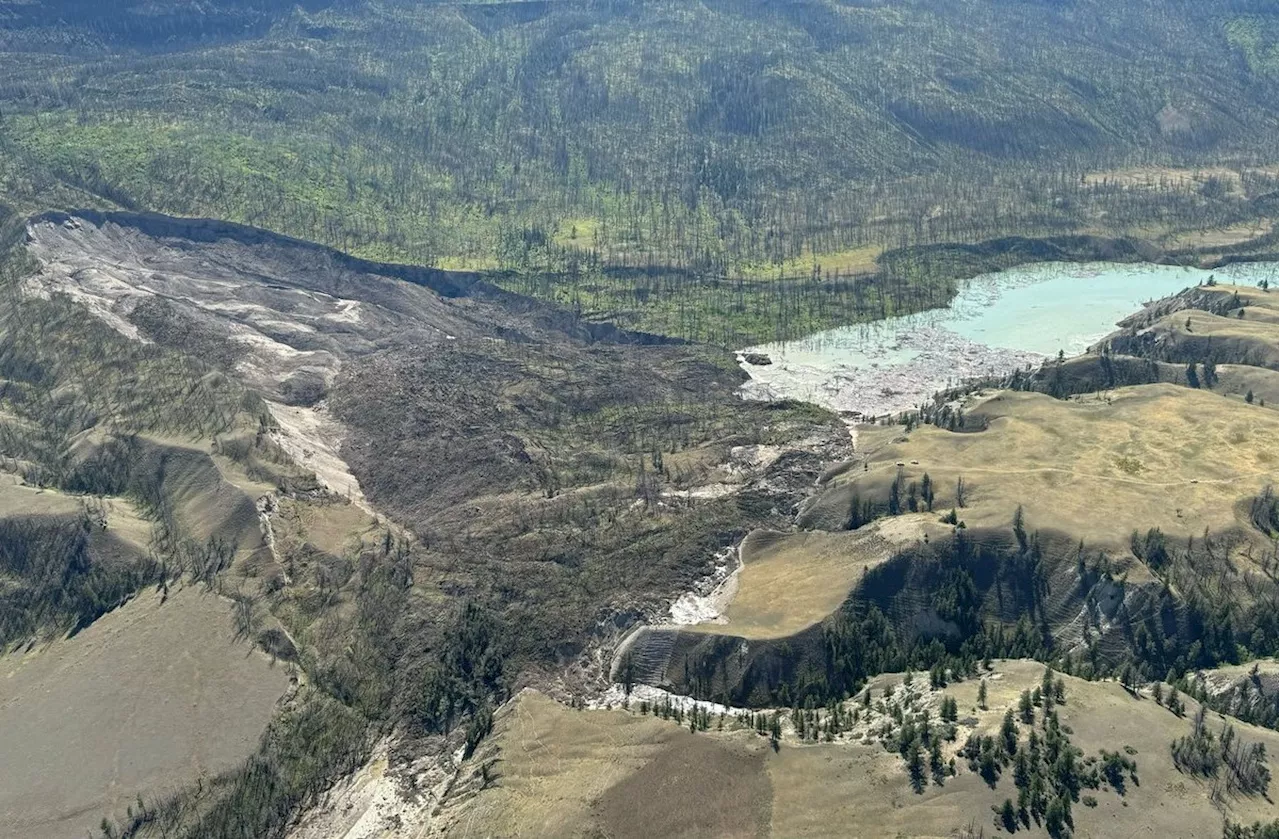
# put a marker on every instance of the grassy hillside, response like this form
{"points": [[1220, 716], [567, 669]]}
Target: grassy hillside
{"points": [[554, 771], [980, 532], [175, 653], [463, 454]]}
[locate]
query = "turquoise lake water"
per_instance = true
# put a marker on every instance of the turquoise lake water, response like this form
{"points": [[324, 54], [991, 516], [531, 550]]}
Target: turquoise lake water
{"points": [[997, 322]]}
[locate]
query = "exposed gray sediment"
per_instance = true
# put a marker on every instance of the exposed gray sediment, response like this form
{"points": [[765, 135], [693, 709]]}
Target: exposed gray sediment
{"points": [[937, 358]]}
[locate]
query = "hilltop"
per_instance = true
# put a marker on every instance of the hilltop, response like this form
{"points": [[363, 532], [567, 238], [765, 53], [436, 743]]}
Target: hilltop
{"points": [[625, 772], [418, 493]]}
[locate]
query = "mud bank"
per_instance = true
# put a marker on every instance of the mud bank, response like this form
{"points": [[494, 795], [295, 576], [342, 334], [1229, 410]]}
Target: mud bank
{"points": [[997, 323]]}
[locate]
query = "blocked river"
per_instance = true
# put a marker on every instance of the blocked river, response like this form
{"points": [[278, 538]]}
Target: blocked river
{"points": [[996, 323]]}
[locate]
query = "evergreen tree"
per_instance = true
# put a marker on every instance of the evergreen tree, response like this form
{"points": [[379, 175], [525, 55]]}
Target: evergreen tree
{"points": [[1026, 709], [936, 767], [1055, 819], [1007, 817], [915, 765], [1009, 734]]}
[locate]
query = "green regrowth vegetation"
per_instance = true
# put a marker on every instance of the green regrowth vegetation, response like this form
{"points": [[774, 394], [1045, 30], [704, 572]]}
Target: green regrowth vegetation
{"points": [[722, 171], [1255, 38]]}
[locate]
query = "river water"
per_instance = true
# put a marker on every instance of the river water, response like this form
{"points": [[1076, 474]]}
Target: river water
{"points": [[997, 322]]}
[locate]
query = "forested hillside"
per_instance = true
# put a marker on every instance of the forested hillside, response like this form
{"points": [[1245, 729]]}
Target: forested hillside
{"points": [[726, 136]]}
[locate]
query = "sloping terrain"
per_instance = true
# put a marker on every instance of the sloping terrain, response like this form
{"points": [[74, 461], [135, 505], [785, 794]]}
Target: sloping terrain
{"points": [[149, 698], [505, 490], [558, 772], [1185, 474], [425, 493], [63, 561], [299, 542], [419, 489], [650, 152], [1164, 456], [790, 581], [1002, 545], [550, 770]]}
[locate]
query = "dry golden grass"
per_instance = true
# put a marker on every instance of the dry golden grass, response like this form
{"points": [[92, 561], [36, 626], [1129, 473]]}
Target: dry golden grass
{"points": [[149, 697], [850, 261], [819, 790], [1266, 666], [567, 773], [1217, 237], [1203, 323], [1250, 296], [1100, 466], [19, 499], [790, 581], [122, 517], [564, 773], [337, 529], [1236, 380], [206, 504], [1168, 177]]}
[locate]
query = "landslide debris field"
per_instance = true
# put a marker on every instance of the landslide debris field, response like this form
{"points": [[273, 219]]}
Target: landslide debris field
{"points": [[375, 461], [996, 497], [726, 172], [418, 494], [1066, 509], [441, 508], [414, 488]]}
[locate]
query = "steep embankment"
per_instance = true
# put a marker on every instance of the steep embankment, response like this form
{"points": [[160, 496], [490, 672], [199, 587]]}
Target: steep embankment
{"points": [[154, 695], [1184, 474]]}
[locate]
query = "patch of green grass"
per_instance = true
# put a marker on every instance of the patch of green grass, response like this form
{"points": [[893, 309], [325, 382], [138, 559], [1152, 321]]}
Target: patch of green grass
{"points": [[732, 312], [1255, 37]]}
